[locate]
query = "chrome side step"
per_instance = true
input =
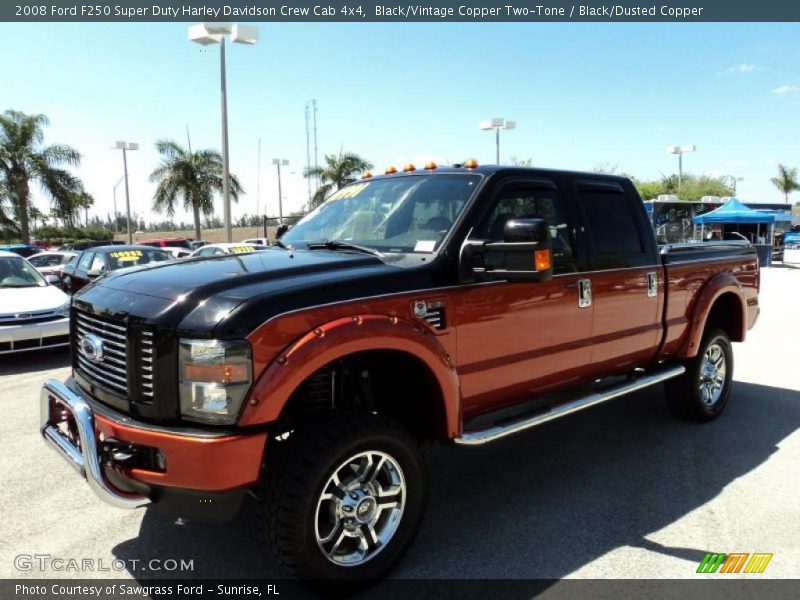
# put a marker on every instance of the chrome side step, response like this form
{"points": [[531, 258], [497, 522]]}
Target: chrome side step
{"points": [[497, 431]]}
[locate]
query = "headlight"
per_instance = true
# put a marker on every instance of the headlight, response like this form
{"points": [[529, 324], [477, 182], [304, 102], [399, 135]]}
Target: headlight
{"points": [[63, 310], [215, 376]]}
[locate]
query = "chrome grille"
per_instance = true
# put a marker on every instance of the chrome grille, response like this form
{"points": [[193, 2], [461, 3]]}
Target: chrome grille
{"points": [[146, 365], [111, 371]]}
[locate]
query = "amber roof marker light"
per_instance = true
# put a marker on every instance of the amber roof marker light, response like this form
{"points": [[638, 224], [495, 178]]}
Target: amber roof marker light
{"points": [[366, 175], [430, 165], [409, 168], [471, 163], [390, 170]]}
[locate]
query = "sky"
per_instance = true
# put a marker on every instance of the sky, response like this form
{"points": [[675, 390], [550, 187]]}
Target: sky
{"points": [[582, 95]]}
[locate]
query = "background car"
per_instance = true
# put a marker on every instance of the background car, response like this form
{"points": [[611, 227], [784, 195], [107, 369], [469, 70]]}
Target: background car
{"points": [[227, 248], [262, 241], [33, 313], [21, 249], [86, 244], [177, 252], [51, 263], [169, 243], [195, 244], [94, 262]]}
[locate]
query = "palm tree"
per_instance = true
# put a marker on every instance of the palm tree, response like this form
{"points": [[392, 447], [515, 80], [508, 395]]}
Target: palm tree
{"points": [[340, 170], [194, 176], [24, 159], [8, 228], [786, 181]]}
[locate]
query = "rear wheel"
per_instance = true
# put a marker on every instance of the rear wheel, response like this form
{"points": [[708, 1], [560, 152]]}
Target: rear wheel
{"points": [[701, 393], [344, 497]]}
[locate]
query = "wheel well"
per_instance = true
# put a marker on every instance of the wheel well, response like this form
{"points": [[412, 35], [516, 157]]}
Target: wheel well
{"points": [[390, 382], [726, 314]]}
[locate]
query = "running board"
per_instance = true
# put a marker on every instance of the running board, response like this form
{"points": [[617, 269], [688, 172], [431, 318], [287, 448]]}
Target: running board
{"points": [[497, 431]]}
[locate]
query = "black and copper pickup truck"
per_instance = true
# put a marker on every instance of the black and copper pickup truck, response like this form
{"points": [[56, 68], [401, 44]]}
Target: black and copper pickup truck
{"points": [[458, 304]]}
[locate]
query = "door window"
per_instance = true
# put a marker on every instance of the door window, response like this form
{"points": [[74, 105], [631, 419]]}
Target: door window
{"points": [[613, 227], [532, 203], [86, 260]]}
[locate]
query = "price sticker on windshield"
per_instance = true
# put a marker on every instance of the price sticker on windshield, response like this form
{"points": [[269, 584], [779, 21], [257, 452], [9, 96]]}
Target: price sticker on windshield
{"points": [[126, 255], [351, 191], [241, 249]]}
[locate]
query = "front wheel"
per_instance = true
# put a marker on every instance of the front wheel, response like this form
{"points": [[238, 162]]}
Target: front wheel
{"points": [[702, 392], [344, 498]]}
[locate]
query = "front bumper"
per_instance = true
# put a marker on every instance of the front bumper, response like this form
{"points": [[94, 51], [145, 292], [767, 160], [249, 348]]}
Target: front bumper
{"points": [[34, 336], [195, 461]]}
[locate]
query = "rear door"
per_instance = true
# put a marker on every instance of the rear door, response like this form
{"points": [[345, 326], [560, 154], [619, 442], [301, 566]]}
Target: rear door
{"points": [[626, 277]]}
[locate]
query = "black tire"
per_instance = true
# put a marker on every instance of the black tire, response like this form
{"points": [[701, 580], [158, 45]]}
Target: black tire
{"points": [[297, 474], [685, 395]]}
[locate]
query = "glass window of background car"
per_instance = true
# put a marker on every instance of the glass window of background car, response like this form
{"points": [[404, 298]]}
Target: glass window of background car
{"points": [[48, 260], [119, 259], [17, 272], [86, 260], [393, 214]]}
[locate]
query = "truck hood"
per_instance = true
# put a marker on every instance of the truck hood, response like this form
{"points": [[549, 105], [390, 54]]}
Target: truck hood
{"points": [[230, 295]]}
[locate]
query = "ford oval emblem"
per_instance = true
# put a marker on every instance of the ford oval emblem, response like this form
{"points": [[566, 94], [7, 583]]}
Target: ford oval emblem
{"points": [[92, 347]]}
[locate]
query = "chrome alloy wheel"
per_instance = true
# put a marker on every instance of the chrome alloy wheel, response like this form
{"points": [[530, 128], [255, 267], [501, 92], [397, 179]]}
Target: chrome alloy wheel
{"points": [[360, 508], [712, 374]]}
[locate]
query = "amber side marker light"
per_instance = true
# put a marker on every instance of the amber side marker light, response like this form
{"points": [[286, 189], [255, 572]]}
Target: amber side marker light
{"points": [[541, 260], [366, 175], [390, 170], [409, 167], [430, 165], [471, 163]]}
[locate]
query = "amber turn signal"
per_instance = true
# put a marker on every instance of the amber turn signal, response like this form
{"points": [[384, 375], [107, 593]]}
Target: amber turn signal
{"points": [[541, 260], [224, 374], [390, 170], [471, 163], [409, 167]]}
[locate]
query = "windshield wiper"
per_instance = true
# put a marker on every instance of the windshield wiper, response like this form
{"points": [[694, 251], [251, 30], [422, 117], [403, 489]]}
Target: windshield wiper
{"points": [[342, 245], [281, 244]]}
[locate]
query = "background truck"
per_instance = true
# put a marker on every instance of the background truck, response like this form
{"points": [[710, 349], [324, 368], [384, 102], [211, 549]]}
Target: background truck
{"points": [[456, 304]]}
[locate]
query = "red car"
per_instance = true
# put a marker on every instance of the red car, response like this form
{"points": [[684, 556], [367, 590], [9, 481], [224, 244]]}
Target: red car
{"points": [[171, 242]]}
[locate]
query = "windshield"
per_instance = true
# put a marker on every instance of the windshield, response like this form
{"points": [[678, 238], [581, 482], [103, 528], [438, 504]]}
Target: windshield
{"points": [[48, 260], [18, 273], [402, 214], [119, 259]]}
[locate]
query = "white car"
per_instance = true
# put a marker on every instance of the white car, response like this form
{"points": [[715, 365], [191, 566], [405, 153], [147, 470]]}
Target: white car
{"points": [[232, 248], [52, 262], [33, 313], [259, 241]]}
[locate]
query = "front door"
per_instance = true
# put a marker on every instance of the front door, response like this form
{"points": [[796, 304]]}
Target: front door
{"points": [[520, 340]]}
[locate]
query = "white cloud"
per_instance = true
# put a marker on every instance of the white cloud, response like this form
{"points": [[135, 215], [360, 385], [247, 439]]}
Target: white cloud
{"points": [[740, 69], [784, 90]]}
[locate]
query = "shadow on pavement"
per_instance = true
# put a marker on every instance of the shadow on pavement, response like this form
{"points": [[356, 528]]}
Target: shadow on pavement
{"points": [[543, 503], [34, 361]]}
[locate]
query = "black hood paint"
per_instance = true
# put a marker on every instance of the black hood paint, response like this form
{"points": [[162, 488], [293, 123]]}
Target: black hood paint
{"points": [[231, 295]]}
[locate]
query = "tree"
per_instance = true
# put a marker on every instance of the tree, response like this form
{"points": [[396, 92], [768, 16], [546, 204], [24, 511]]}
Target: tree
{"points": [[192, 176], [338, 171], [24, 159], [786, 181], [692, 187]]}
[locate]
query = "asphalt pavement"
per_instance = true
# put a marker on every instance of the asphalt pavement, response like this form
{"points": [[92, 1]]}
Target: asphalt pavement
{"points": [[622, 490]]}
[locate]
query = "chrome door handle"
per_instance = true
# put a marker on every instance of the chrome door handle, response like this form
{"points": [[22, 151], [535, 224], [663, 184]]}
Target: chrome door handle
{"points": [[652, 285], [584, 293]]}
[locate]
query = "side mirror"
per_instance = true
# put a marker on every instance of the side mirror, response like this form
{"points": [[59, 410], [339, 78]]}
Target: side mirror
{"points": [[525, 254], [52, 279], [95, 271]]}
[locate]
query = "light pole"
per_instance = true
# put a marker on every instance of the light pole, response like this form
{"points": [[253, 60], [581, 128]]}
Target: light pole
{"points": [[116, 226], [497, 125], [125, 146], [206, 34], [733, 179], [680, 151], [278, 162]]}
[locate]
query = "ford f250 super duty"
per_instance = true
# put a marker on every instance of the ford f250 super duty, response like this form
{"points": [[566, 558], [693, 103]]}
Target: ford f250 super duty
{"points": [[457, 304]]}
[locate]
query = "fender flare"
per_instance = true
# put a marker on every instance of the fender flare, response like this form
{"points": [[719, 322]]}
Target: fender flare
{"points": [[715, 287], [339, 338]]}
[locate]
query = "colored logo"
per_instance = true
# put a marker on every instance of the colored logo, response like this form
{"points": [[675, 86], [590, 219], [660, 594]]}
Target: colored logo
{"points": [[735, 562]]}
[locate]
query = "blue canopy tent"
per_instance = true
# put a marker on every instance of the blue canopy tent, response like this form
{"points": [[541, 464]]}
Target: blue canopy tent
{"points": [[733, 212]]}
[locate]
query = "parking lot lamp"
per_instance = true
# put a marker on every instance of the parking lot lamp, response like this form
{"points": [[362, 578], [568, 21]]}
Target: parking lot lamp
{"points": [[125, 147], [680, 151], [278, 162], [206, 34], [497, 124]]}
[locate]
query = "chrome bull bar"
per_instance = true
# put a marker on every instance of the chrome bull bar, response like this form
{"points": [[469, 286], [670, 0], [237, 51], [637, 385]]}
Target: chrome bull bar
{"points": [[86, 459]]}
